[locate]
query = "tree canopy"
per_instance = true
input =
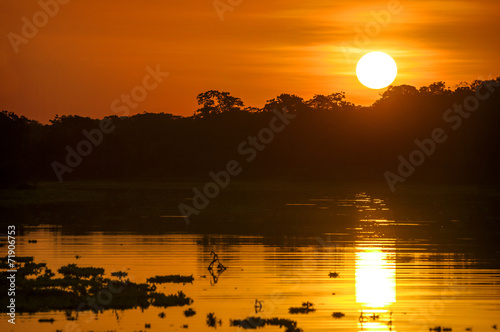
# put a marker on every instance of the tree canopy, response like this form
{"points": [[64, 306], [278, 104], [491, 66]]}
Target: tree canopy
{"points": [[330, 139]]}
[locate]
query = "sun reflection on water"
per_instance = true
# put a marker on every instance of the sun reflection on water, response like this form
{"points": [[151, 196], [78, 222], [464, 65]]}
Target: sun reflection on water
{"points": [[375, 287]]}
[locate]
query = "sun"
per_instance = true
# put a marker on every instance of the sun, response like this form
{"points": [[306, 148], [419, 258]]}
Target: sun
{"points": [[376, 70]]}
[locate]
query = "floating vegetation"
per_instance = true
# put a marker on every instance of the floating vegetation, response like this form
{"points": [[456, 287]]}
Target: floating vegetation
{"points": [[162, 300], [43, 291], [212, 320], [338, 315], [119, 274], [189, 313], [71, 270], [4, 261], [257, 322], [333, 274], [306, 308], [162, 315], [440, 329], [26, 259], [69, 316], [178, 279]]}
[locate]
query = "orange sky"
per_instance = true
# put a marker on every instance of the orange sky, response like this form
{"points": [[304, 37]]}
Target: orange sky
{"points": [[91, 52]]}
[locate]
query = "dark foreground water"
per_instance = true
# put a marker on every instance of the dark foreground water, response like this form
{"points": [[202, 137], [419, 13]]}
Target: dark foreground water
{"points": [[385, 282]]}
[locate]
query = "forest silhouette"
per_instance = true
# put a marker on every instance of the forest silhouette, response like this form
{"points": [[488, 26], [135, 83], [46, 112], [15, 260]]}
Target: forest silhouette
{"points": [[330, 139]]}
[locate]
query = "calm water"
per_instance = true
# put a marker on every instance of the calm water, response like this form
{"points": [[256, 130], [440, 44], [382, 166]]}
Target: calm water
{"points": [[395, 284]]}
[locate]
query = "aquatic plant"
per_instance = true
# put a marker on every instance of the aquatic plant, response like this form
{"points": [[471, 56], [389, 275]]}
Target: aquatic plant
{"points": [[190, 312], [4, 261], [338, 315], [119, 274], [257, 322], [212, 320], [171, 278], [71, 270], [43, 291], [24, 259], [306, 308], [30, 268], [440, 329], [162, 300]]}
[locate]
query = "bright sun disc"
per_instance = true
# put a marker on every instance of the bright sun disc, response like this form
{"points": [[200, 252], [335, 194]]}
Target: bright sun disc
{"points": [[376, 70]]}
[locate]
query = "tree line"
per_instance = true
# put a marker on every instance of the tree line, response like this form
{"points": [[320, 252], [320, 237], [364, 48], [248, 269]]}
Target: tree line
{"points": [[330, 139]]}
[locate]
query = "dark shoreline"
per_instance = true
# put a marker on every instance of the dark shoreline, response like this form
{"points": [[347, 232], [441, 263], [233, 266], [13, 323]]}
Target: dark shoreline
{"points": [[248, 208]]}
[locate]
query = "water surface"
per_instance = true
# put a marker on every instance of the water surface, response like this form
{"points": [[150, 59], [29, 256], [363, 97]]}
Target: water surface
{"points": [[384, 283]]}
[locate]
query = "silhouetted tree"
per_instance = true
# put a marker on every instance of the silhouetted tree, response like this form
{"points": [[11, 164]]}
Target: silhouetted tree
{"points": [[292, 103], [19, 150], [322, 144], [436, 88], [216, 102], [330, 102]]}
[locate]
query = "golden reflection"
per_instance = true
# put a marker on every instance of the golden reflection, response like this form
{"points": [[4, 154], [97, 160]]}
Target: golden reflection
{"points": [[375, 287]]}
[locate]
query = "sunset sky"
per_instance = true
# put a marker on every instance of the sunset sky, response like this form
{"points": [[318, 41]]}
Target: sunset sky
{"points": [[91, 52]]}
